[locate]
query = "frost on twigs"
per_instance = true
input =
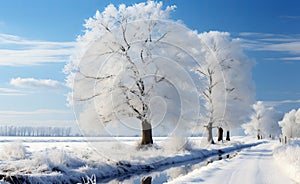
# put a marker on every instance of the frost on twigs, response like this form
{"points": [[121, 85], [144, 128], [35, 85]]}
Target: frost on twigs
{"points": [[228, 86], [133, 74]]}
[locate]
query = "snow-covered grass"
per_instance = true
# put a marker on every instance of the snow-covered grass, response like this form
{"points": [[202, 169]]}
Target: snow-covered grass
{"points": [[13, 151], [70, 160], [288, 157]]}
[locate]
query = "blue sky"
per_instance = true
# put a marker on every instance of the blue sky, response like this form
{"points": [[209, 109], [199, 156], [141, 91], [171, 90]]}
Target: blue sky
{"points": [[37, 37]]}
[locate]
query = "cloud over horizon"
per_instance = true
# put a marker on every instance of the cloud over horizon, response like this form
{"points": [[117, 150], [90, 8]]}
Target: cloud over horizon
{"points": [[39, 117], [36, 112]]}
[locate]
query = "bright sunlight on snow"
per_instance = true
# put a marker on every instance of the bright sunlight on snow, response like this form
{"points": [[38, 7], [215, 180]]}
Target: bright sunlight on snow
{"points": [[149, 92]]}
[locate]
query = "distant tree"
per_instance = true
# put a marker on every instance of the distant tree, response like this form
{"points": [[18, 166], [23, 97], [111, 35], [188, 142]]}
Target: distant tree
{"points": [[290, 124], [129, 57], [34, 131], [229, 91], [264, 121]]}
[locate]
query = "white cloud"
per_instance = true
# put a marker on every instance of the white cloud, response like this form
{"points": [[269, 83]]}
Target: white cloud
{"points": [[277, 103], [17, 51], [291, 58], [256, 34], [290, 17], [37, 83], [287, 44], [11, 92], [290, 47], [286, 58]]}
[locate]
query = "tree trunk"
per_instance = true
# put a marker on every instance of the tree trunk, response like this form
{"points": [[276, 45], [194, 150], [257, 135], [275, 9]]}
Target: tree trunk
{"points": [[210, 134], [227, 135], [285, 140], [146, 133], [220, 134]]}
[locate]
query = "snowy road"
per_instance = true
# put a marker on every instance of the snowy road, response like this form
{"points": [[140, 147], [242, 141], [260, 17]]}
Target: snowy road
{"points": [[255, 165]]}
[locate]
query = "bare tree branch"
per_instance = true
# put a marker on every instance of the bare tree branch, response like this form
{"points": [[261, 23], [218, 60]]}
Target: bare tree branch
{"points": [[156, 81], [230, 89], [87, 98], [124, 33], [105, 27], [201, 72], [95, 78], [160, 38], [141, 55]]}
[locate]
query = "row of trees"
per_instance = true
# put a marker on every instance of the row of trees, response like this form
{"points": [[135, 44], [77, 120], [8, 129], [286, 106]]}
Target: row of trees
{"points": [[267, 122], [264, 121], [35, 131], [135, 64], [290, 124]]}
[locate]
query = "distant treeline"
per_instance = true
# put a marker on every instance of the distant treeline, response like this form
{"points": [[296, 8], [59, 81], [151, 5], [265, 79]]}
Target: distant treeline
{"points": [[35, 131]]}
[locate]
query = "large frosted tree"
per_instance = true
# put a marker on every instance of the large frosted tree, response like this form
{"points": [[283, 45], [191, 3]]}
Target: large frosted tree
{"points": [[264, 121], [229, 89], [133, 66]]}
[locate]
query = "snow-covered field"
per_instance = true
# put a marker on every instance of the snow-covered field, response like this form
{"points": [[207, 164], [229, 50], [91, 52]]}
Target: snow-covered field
{"points": [[288, 157], [70, 159]]}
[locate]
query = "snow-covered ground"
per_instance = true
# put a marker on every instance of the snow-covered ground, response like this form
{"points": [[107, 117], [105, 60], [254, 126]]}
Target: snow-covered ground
{"points": [[288, 157], [69, 159], [252, 165]]}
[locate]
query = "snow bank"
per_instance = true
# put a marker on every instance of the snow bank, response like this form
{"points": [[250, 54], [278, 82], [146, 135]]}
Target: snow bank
{"points": [[288, 157], [74, 161]]}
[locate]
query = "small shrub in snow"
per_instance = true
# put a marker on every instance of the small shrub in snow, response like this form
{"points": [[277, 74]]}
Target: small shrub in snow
{"points": [[56, 160], [177, 143], [13, 151]]}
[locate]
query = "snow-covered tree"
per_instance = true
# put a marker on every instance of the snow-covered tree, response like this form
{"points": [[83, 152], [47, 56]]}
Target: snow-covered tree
{"points": [[230, 89], [290, 124], [264, 121], [133, 65]]}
